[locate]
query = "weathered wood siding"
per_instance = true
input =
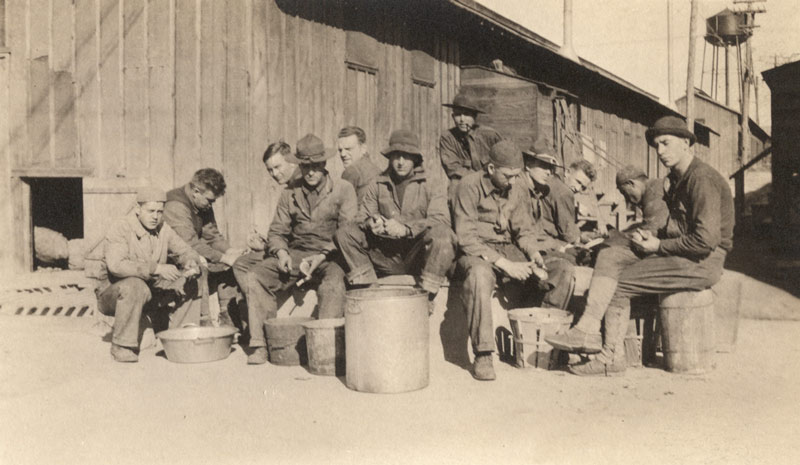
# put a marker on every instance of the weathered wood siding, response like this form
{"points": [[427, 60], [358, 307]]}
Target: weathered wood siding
{"points": [[128, 92]]}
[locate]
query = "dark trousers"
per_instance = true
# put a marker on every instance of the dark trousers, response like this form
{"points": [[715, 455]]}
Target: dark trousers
{"points": [[478, 279], [428, 255], [128, 299], [265, 281]]}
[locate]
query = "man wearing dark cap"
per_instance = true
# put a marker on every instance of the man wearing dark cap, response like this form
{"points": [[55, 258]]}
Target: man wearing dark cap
{"points": [[645, 194], [497, 245], [300, 243], [359, 170], [189, 212], [136, 277], [552, 202], [402, 225], [465, 147], [688, 253]]}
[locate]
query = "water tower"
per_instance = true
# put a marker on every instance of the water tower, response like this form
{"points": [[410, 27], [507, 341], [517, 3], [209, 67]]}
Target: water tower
{"points": [[727, 29]]}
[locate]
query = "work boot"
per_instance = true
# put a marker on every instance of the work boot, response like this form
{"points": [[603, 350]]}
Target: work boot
{"points": [[258, 356], [598, 367], [576, 341], [123, 354], [483, 368]]}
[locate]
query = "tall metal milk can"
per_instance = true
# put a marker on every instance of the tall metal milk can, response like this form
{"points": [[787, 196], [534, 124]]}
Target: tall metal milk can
{"points": [[386, 340]]}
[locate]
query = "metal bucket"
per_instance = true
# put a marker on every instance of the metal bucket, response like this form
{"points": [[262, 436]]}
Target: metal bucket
{"points": [[325, 344], [386, 341], [197, 344], [530, 326], [286, 340], [687, 331]]}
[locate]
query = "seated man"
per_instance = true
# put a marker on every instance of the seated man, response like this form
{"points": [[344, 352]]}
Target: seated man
{"points": [[465, 147], [136, 277], [497, 243], [189, 213], [403, 225], [300, 244], [358, 168], [552, 202], [645, 194], [688, 253]]}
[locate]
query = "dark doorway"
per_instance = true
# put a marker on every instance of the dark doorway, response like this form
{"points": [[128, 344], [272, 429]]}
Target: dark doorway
{"points": [[57, 205]]}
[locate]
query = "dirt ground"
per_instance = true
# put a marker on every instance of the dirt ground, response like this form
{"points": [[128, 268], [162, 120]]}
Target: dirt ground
{"points": [[64, 400]]}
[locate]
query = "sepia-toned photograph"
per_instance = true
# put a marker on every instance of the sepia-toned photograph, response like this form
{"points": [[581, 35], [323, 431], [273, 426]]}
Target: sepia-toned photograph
{"points": [[401, 232]]}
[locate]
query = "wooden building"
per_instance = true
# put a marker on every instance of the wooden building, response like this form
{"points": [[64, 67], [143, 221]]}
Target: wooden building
{"points": [[784, 83], [98, 97]]}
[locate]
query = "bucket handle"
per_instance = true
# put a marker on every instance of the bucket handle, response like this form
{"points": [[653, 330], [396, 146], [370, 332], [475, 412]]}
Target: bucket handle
{"points": [[204, 340]]}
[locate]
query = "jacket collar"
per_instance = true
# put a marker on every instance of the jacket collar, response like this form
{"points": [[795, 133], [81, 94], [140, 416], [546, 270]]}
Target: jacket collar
{"points": [[137, 227], [537, 190], [486, 184], [187, 191], [418, 175]]}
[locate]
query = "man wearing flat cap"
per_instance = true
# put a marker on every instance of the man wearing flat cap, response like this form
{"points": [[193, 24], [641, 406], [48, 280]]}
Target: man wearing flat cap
{"points": [[552, 202], [497, 245], [688, 253], [136, 277], [465, 148], [189, 212], [300, 243], [402, 225]]}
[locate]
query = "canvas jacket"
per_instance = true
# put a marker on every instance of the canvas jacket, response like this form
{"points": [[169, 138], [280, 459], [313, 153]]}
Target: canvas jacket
{"points": [[423, 204], [701, 214], [463, 154], [296, 225], [198, 228], [361, 174], [477, 209], [132, 251]]}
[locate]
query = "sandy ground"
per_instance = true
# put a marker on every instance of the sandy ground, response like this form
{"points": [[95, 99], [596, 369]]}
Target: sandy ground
{"points": [[64, 400]]}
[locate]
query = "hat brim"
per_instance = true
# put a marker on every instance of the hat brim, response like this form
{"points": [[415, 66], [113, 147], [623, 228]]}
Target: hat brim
{"points": [[403, 148], [450, 105], [652, 133], [551, 162], [319, 158]]}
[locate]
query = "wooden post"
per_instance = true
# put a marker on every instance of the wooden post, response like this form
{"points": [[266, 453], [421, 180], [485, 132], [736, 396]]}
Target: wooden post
{"points": [[690, 69], [669, 54]]}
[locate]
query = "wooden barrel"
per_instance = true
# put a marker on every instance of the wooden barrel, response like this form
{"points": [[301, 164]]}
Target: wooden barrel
{"points": [[687, 331]]}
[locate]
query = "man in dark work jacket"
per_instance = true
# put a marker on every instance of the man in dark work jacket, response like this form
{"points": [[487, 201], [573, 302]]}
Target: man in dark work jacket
{"points": [[688, 253], [189, 213]]}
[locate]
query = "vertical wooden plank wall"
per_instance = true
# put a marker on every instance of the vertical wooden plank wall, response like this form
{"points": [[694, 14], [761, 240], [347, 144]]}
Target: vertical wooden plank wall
{"points": [[129, 92]]}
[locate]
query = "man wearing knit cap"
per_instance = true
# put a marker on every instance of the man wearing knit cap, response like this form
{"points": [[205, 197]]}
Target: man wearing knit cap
{"points": [[497, 245], [137, 277], [403, 225], [688, 253], [189, 212], [300, 244], [465, 148]]}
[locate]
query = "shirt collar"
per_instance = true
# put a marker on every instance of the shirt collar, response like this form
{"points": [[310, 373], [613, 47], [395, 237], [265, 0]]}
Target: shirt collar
{"points": [[486, 184], [318, 189]]}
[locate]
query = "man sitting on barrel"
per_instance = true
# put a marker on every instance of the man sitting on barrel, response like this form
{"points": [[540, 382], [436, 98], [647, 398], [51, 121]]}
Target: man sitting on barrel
{"points": [[403, 225], [300, 243], [688, 253], [497, 244], [136, 277]]}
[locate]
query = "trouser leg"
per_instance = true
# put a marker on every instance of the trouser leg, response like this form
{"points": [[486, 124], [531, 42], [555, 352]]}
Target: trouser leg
{"points": [[331, 290], [263, 281], [610, 263], [125, 300], [438, 248], [353, 244], [478, 282], [616, 328], [561, 281]]}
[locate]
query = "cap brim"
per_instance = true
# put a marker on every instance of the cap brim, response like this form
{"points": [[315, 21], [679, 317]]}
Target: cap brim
{"points": [[450, 105], [327, 155], [409, 149], [652, 133]]}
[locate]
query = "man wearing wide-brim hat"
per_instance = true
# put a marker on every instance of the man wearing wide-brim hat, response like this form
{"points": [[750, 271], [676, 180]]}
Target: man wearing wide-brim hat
{"points": [[403, 225], [136, 279], [465, 147], [688, 253], [300, 243], [497, 246]]}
